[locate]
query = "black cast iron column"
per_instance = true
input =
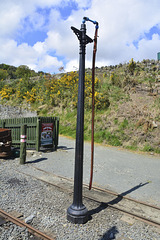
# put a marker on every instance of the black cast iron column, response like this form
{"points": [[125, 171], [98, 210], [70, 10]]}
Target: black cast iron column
{"points": [[77, 212]]}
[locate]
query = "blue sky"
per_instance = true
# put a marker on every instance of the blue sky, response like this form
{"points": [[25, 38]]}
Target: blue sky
{"points": [[147, 35], [37, 33], [32, 36]]}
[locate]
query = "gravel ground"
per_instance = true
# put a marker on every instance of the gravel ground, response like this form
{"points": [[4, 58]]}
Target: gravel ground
{"points": [[10, 231], [46, 206]]}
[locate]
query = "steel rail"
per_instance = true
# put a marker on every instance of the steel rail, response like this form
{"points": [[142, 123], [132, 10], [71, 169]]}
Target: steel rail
{"points": [[124, 197], [99, 188], [141, 218], [20, 223]]}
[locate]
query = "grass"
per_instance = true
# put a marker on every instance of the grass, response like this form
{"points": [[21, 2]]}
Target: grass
{"points": [[113, 139], [131, 147], [148, 148], [68, 127], [124, 124], [67, 131]]}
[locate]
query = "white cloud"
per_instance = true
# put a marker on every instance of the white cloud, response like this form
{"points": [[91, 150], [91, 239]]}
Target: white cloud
{"points": [[84, 3], [49, 63], [37, 20], [148, 49], [13, 16], [35, 57], [72, 65], [17, 55], [40, 48], [121, 22], [10, 18]]}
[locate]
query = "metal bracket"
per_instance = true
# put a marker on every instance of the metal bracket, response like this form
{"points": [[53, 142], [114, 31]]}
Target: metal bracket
{"points": [[79, 35]]}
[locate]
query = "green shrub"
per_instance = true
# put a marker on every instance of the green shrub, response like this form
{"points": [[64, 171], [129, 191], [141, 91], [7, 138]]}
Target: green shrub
{"points": [[123, 124], [3, 74], [148, 148], [131, 66], [115, 80]]}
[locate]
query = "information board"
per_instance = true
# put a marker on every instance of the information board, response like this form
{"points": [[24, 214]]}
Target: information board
{"points": [[47, 134]]}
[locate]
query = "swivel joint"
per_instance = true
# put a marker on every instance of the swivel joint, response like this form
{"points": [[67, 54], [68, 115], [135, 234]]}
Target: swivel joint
{"points": [[87, 19]]}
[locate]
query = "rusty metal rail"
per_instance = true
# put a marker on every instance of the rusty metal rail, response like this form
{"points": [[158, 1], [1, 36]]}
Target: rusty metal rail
{"points": [[20, 223], [106, 197]]}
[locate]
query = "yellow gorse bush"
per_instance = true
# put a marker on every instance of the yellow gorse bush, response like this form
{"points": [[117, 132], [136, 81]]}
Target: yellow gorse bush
{"points": [[131, 66], [56, 91], [30, 96], [6, 92]]}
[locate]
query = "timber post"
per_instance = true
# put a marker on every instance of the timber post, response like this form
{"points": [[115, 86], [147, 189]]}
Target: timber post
{"points": [[23, 144], [38, 135]]}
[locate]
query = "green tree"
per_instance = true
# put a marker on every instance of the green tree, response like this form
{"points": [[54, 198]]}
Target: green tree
{"points": [[12, 72], [3, 74], [23, 71]]}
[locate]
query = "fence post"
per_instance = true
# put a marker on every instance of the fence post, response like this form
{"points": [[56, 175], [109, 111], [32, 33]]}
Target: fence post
{"points": [[57, 132], [38, 135], [23, 144], [3, 124]]}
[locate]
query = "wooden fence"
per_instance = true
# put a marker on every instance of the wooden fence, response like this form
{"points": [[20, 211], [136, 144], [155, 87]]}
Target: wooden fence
{"points": [[34, 129]]}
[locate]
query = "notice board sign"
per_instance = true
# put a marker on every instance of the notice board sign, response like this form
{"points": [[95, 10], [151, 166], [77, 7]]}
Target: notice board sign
{"points": [[47, 134]]}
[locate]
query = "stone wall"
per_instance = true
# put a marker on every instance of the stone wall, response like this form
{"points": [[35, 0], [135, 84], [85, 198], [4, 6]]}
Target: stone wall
{"points": [[7, 111]]}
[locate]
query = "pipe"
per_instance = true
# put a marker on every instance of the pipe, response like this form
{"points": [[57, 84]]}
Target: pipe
{"points": [[93, 106], [93, 99]]}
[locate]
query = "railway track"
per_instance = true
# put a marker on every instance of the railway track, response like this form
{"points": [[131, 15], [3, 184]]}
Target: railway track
{"points": [[9, 217], [142, 211]]}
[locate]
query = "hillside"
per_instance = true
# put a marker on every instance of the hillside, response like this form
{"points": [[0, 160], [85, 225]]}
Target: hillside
{"points": [[127, 102]]}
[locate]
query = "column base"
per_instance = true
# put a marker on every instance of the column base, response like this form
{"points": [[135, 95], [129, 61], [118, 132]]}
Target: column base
{"points": [[77, 215]]}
